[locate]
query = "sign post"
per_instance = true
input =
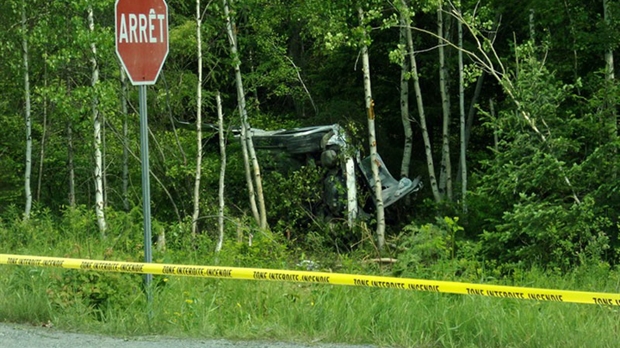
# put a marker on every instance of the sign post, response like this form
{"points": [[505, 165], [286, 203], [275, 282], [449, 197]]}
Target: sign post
{"points": [[141, 36]]}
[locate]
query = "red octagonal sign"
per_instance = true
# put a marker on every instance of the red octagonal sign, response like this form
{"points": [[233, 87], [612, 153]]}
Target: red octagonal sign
{"points": [[141, 33]]}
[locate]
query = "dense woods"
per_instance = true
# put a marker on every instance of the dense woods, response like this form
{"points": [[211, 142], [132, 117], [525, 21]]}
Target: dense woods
{"points": [[507, 110]]}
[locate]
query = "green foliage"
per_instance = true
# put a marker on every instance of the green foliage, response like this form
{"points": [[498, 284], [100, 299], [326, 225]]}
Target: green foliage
{"points": [[537, 200], [260, 249], [421, 247], [96, 291], [109, 303], [295, 194], [40, 229], [23, 294], [555, 189], [549, 235]]}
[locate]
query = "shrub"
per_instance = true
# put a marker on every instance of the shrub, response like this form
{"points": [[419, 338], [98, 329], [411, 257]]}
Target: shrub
{"points": [[550, 235], [422, 247]]}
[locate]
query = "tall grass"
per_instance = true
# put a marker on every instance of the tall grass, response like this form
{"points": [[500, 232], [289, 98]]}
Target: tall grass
{"points": [[234, 309], [115, 304]]}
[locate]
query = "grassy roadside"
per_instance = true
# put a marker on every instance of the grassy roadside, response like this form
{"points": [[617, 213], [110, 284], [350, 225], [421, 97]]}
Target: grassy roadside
{"points": [[235, 309], [114, 304]]}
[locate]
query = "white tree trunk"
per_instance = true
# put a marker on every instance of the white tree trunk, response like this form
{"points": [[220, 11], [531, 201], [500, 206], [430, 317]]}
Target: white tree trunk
{"points": [[418, 96], [609, 53], [198, 124], [255, 167], [352, 206], [244, 145], [446, 166], [104, 175], [463, 157], [372, 139], [27, 115], [245, 125], [99, 201], [220, 220], [609, 68], [248, 176], [404, 104]]}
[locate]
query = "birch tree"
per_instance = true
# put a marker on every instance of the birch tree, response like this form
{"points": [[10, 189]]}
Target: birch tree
{"points": [[196, 213], [492, 64], [248, 150], [609, 68], [445, 179], [404, 100], [97, 124], [372, 138], [609, 53], [220, 221], [420, 103], [462, 123], [27, 113]]}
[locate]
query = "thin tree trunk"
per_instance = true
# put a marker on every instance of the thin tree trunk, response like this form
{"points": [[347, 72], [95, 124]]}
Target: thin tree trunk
{"points": [[244, 120], [404, 104], [27, 115], [472, 108], [463, 162], [372, 139], [104, 175], [172, 119], [125, 140], [99, 200], [471, 113], [248, 175], [244, 144], [70, 165], [43, 136], [469, 122], [42, 153], [532, 26], [174, 206], [573, 34], [495, 127], [420, 103], [198, 125], [220, 220], [252, 71], [445, 178], [69, 125], [609, 71], [609, 53], [509, 89]]}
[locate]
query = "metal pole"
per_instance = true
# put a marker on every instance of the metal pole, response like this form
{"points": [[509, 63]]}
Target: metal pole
{"points": [[146, 189]]}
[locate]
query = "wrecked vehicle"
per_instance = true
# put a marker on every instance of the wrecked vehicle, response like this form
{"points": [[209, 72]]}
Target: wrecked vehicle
{"points": [[345, 171]]}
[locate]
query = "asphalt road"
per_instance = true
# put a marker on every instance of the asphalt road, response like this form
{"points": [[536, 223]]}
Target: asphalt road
{"points": [[29, 336]]}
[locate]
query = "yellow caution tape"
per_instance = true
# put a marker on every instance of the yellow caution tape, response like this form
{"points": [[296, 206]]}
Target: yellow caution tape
{"points": [[438, 286]]}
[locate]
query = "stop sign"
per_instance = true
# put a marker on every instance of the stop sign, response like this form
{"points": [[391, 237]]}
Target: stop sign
{"points": [[141, 35]]}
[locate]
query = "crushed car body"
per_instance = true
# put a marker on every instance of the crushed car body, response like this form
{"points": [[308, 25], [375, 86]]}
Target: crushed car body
{"points": [[329, 147]]}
